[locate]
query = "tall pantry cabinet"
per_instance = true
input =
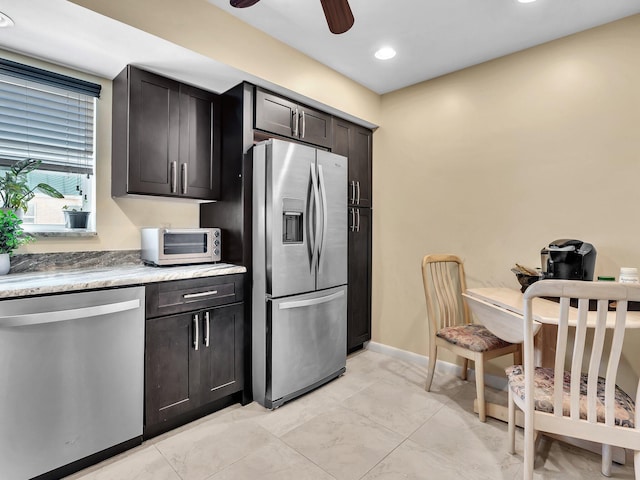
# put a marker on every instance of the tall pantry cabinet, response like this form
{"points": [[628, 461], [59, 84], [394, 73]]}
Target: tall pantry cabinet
{"points": [[355, 143]]}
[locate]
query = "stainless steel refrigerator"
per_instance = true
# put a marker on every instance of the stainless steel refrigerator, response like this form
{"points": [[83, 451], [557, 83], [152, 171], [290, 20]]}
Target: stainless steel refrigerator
{"points": [[299, 294]]}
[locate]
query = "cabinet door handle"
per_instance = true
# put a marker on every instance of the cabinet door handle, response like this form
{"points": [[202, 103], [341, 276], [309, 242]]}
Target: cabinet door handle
{"points": [[358, 190], [352, 198], [352, 227], [358, 224], [174, 177], [185, 178], [206, 329], [196, 331], [304, 124], [208, 293], [294, 114]]}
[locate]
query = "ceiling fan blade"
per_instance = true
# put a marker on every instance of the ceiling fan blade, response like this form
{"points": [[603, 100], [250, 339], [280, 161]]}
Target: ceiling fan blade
{"points": [[243, 3], [338, 14]]}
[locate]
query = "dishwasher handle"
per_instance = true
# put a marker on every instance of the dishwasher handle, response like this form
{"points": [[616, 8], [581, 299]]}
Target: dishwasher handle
{"points": [[64, 315]]}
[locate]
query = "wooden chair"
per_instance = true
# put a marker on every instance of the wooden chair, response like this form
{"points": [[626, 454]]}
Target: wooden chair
{"points": [[565, 400], [449, 323]]}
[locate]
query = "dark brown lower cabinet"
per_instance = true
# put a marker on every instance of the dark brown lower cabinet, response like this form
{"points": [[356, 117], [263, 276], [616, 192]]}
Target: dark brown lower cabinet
{"points": [[194, 361], [359, 291], [221, 365], [172, 371]]}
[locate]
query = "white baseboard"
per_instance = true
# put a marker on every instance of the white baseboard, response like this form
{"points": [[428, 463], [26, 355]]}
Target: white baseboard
{"points": [[499, 383]]}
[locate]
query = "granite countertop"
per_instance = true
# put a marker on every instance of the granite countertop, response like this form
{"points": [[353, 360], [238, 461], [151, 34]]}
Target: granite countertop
{"points": [[70, 280]]}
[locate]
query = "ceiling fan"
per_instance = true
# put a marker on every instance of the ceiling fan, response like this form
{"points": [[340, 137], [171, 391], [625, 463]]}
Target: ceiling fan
{"points": [[337, 12]]}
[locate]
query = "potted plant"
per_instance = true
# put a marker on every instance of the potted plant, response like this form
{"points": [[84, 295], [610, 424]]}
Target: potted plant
{"points": [[75, 218], [15, 192], [11, 237]]}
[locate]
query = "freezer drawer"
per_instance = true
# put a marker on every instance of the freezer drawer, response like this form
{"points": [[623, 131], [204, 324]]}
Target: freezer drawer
{"points": [[308, 341]]}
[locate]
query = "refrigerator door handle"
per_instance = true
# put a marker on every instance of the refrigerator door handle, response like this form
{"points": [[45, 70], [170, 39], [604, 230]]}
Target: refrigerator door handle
{"points": [[311, 301], [323, 238], [315, 212]]}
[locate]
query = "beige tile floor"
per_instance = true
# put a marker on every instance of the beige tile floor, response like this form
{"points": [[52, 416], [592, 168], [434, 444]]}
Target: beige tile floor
{"points": [[374, 422]]}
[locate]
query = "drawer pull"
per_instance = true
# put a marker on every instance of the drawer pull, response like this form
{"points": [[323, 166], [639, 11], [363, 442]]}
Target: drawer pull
{"points": [[187, 296]]}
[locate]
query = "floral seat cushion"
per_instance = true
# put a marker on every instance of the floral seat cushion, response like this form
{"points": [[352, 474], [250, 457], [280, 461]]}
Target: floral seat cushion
{"points": [[472, 337], [625, 408]]}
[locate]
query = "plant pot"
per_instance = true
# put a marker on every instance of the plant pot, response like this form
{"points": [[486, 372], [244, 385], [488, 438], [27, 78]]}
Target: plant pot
{"points": [[76, 219], [5, 263]]}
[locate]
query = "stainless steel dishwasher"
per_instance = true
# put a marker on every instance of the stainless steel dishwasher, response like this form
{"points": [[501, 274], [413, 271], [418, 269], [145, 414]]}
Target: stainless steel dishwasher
{"points": [[71, 378]]}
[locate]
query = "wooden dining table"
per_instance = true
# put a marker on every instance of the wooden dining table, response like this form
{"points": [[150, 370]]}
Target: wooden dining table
{"points": [[501, 310]]}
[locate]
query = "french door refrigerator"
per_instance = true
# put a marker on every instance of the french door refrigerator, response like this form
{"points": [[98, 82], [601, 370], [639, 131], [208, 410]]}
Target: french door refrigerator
{"points": [[299, 295]]}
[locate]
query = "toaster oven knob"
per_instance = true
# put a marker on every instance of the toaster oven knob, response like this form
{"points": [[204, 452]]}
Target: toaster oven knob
{"points": [[216, 251], [216, 233], [216, 243]]}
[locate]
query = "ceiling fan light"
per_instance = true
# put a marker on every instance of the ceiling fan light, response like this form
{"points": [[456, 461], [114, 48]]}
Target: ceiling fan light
{"points": [[5, 21], [385, 53]]}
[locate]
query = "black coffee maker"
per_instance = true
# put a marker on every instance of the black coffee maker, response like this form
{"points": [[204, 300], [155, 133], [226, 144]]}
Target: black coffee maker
{"points": [[568, 259]]}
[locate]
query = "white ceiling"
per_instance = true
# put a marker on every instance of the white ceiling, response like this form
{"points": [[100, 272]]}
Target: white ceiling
{"points": [[67, 34], [432, 37]]}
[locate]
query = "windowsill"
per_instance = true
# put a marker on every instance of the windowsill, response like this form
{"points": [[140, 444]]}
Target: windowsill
{"points": [[53, 231]]}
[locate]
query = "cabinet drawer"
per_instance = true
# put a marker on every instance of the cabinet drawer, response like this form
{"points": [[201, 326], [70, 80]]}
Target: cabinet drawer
{"points": [[168, 298]]}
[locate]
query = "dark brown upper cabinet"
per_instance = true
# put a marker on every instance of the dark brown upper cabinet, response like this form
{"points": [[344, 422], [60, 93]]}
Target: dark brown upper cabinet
{"points": [[166, 137], [289, 119], [355, 143]]}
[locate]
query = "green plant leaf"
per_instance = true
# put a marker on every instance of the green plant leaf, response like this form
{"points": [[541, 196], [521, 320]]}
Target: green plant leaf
{"points": [[12, 235], [49, 190]]}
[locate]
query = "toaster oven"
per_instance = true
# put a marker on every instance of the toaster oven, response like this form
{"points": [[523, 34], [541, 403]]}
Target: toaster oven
{"points": [[180, 246]]}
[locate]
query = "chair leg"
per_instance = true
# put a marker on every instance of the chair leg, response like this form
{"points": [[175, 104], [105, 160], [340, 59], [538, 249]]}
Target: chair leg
{"points": [[529, 449], [479, 364], [465, 368], [607, 458], [512, 423], [433, 351], [517, 355]]}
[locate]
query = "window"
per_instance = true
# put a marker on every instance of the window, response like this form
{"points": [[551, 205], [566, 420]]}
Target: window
{"points": [[49, 117]]}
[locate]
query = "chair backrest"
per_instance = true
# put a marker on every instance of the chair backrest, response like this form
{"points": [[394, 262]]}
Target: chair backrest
{"points": [[595, 353], [444, 282]]}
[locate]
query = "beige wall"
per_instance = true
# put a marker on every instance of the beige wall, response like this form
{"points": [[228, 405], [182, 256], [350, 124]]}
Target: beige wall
{"points": [[491, 163], [216, 34], [494, 162], [118, 220]]}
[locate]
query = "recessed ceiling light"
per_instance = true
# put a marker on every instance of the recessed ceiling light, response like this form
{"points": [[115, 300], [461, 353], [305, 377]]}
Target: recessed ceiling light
{"points": [[385, 53], [5, 21], [526, 1]]}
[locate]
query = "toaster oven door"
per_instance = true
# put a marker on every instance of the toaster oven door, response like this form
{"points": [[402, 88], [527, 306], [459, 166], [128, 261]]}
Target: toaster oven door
{"points": [[186, 246]]}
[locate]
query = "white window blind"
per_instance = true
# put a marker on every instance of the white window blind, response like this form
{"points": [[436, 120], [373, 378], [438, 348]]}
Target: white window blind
{"points": [[44, 121]]}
